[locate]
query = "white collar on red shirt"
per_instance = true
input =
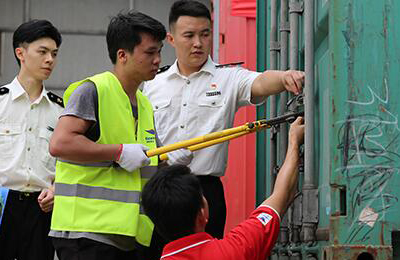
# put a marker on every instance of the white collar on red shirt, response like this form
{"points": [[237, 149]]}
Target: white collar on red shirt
{"points": [[209, 67], [185, 243]]}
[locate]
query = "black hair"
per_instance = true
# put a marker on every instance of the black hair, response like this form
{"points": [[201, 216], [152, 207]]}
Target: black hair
{"points": [[187, 8], [125, 29], [33, 30], [172, 199]]}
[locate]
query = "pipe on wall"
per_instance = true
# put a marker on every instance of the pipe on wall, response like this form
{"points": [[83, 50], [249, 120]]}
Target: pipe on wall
{"points": [[274, 49], [309, 186], [283, 129], [294, 212]]}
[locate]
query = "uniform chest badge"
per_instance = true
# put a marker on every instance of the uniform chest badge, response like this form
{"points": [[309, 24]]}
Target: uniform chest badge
{"points": [[214, 91]]}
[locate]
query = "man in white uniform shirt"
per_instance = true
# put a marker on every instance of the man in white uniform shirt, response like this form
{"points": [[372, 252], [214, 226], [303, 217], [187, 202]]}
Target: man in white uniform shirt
{"points": [[195, 97], [28, 115]]}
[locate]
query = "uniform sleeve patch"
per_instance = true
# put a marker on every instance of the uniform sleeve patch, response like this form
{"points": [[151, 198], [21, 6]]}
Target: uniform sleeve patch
{"points": [[264, 218]]}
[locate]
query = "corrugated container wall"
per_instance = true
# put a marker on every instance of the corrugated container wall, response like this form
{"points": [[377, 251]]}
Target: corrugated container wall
{"points": [[348, 207]]}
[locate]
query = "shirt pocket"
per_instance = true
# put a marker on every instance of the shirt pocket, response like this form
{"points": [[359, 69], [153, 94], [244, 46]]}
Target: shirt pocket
{"points": [[9, 134], [162, 114], [48, 161], [211, 114]]}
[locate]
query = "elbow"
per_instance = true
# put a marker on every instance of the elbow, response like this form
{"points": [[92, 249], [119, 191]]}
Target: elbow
{"points": [[55, 148]]}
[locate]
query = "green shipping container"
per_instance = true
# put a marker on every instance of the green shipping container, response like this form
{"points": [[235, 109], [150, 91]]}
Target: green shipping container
{"points": [[348, 206]]}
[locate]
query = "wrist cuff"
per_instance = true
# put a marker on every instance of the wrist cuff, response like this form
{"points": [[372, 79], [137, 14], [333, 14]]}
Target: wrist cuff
{"points": [[117, 157]]}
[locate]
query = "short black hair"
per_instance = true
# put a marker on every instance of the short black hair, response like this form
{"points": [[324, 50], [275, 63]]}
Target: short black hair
{"points": [[187, 8], [125, 29], [172, 199], [33, 30]]}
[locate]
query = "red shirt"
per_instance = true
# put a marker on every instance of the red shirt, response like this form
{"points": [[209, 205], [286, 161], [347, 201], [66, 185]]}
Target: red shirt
{"points": [[252, 239]]}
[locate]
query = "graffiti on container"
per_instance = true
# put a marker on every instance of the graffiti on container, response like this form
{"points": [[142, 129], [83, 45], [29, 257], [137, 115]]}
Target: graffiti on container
{"points": [[369, 144]]}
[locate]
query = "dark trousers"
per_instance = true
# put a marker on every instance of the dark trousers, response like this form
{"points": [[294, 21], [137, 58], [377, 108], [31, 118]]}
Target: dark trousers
{"points": [[213, 191], [24, 229], [83, 248], [153, 252], [87, 249]]}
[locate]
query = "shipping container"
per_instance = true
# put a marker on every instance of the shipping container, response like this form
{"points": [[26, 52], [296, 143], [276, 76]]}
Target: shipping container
{"points": [[348, 202]]}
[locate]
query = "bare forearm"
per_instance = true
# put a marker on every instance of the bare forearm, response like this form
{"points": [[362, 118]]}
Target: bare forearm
{"points": [[268, 83], [285, 184], [272, 82], [78, 148], [286, 181]]}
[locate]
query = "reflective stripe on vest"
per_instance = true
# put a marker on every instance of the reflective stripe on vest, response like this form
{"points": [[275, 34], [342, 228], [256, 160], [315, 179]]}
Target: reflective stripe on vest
{"points": [[90, 192]]}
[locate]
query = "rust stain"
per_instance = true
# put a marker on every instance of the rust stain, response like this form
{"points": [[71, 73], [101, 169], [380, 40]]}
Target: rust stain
{"points": [[382, 108], [334, 66], [382, 233], [333, 106], [354, 252], [334, 227]]}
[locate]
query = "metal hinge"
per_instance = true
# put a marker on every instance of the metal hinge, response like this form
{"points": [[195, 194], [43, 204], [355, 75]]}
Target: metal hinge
{"points": [[285, 27], [296, 7], [274, 46]]}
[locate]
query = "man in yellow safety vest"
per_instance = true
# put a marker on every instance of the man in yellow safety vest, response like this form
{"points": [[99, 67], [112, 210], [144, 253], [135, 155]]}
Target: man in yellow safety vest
{"points": [[100, 140]]}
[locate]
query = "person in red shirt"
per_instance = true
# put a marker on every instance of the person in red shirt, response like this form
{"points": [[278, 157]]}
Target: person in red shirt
{"points": [[174, 201]]}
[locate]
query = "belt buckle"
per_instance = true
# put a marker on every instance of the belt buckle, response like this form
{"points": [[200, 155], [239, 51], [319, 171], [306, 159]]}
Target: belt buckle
{"points": [[24, 195]]}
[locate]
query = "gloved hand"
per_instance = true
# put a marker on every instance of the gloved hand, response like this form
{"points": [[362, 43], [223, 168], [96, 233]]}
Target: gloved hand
{"points": [[133, 157], [181, 156]]}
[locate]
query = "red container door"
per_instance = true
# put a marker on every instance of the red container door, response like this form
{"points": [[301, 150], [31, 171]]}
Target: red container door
{"points": [[238, 43]]}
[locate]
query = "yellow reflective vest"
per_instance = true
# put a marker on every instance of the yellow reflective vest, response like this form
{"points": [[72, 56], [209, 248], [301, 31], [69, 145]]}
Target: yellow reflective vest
{"points": [[106, 199]]}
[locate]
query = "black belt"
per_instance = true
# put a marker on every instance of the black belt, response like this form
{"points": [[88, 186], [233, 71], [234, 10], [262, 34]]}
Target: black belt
{"points": [[208, 178], [23, 195]]}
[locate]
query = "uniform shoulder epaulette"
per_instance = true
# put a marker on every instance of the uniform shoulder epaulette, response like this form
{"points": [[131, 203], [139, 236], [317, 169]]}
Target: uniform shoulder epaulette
{"points": [[4, 90], [229, 64], [163, 68], [56, 99]]}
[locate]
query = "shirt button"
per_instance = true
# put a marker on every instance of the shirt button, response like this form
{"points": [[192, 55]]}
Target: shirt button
{"points": [[213, 103], [156, 107], [184, 104], [29, 149], [7, 131], [187, 81], [30, 129], [182, 126]]}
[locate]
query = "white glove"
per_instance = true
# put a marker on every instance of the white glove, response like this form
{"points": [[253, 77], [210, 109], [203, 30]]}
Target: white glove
{"points": [[133, 157], [181, 156]]}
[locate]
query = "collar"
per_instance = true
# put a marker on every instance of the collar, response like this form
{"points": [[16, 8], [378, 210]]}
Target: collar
{"points": [[208, 67], [17, 90], [185, 243]]}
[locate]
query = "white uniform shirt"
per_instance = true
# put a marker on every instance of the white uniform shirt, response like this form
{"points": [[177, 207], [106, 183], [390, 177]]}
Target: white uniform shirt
{"points": [[25, 130], [204, 102]]}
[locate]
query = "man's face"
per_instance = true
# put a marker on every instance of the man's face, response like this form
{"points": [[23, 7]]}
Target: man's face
{"points": [[145, 59], [38, 58], [191, 38]]}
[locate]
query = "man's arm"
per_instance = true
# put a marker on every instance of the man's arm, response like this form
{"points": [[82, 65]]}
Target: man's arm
{"points": [[286, 182], [272, 82], [68, 142]]}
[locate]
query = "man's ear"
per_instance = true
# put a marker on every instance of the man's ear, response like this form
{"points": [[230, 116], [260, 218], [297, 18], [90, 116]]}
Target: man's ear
{"points": [[19, 52], [121, 56], [201, 221], [170, 39]]}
